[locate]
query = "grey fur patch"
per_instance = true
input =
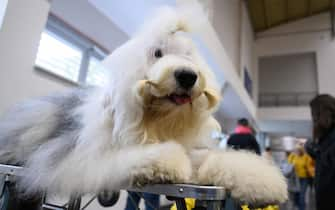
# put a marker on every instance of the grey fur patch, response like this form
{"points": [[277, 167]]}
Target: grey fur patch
{"points": [[62, 125], [68, 121]]}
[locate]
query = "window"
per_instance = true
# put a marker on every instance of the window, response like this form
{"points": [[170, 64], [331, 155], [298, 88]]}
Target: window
{"points": [[96, 74], [59, 56], [69, 55]]}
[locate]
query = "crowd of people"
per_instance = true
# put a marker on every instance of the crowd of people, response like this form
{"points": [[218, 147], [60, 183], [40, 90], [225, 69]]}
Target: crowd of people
{"points": [[313, 162]]}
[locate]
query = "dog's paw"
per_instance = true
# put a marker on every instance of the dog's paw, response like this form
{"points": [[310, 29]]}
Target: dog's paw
{"points": [[156, 175], [169, 165], [249, 178]]}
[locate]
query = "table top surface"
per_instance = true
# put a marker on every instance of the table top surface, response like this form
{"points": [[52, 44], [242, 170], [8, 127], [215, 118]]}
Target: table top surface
{"points": [[11, 170]]}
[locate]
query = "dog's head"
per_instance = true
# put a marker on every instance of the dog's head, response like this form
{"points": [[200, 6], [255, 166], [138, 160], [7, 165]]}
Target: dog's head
{"points": [[162, 70], [175, 75]]}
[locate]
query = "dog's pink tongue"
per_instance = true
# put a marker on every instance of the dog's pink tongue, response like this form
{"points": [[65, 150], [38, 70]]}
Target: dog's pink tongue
{"points": [[181, 99]]}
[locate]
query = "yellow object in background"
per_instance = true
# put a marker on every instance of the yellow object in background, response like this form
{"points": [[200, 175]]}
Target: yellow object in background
{"points": [[300, 163], [245, 207], [190, 204]]}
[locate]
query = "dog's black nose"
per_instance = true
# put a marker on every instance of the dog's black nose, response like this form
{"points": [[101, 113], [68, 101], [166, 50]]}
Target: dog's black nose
{"points": [[185, 78]]}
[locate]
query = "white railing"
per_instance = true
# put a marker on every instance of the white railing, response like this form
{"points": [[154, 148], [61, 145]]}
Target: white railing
{"points": [[285, 99]]}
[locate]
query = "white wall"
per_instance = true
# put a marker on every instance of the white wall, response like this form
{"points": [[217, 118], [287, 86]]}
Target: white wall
{"points": [[308, 35], [233, 26], [219, 54], [247, 43], [232, 23], [226, 22], [248, 58], [294, 73], [84, 17], [19, 37]]}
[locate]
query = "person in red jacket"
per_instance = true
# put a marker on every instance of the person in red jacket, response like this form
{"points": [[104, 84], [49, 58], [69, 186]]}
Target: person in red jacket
{"points": [[243, 138]]}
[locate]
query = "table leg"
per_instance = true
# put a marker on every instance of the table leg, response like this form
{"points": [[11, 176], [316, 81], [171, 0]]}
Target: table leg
{"points": [[180, 202]]}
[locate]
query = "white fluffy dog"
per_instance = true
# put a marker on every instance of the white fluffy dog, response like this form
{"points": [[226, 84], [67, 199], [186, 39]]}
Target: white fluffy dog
{"points": [[144, 127]]}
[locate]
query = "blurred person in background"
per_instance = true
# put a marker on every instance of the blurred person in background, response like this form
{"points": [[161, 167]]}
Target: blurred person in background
{"points": [[286, 167], [243, 137], [322, 150], [293, 185], [299, 160]]}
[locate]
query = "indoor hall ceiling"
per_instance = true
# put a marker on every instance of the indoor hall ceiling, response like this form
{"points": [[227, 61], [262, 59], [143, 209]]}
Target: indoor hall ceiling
{"points": [[269, 13]]}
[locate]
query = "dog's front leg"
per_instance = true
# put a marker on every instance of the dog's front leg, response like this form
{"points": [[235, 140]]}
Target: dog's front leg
{"points": [[115, 169], [162, 163], [197, 157], [248, 177]]}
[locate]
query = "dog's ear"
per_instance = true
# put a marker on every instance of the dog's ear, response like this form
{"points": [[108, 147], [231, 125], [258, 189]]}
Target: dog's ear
{"points": [[142, 87], [212, 97], [139, 90]]}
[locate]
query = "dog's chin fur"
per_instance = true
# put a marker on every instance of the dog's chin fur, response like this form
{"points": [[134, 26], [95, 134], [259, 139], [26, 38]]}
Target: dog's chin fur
{"points": [[163, 120], [127, 133]]}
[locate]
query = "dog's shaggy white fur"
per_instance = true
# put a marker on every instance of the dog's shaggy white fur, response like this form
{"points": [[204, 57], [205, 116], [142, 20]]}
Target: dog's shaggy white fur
{"points": [[142, 128]]}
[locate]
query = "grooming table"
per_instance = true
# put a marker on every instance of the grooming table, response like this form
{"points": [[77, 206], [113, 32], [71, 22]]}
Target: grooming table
{"points": [[207, 197]]}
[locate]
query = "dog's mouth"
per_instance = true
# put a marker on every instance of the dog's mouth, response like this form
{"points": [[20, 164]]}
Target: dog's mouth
{"points": [[148, 92], [179, 99]]}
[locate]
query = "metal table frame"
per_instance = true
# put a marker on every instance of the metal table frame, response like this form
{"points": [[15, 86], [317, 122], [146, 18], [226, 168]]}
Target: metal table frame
{"points": [[8, 173]]}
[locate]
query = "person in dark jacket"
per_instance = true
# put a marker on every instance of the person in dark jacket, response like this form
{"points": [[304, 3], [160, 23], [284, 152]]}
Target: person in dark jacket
{"points": [[322, 149], [243, 138]]}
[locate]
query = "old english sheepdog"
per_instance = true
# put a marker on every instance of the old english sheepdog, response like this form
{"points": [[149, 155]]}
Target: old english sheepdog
{"points": [[145, 127]]}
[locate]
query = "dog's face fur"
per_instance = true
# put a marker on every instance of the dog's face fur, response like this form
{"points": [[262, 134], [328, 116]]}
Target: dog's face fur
{"points": [[174, 90], [170, 82], [174, 76]]}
